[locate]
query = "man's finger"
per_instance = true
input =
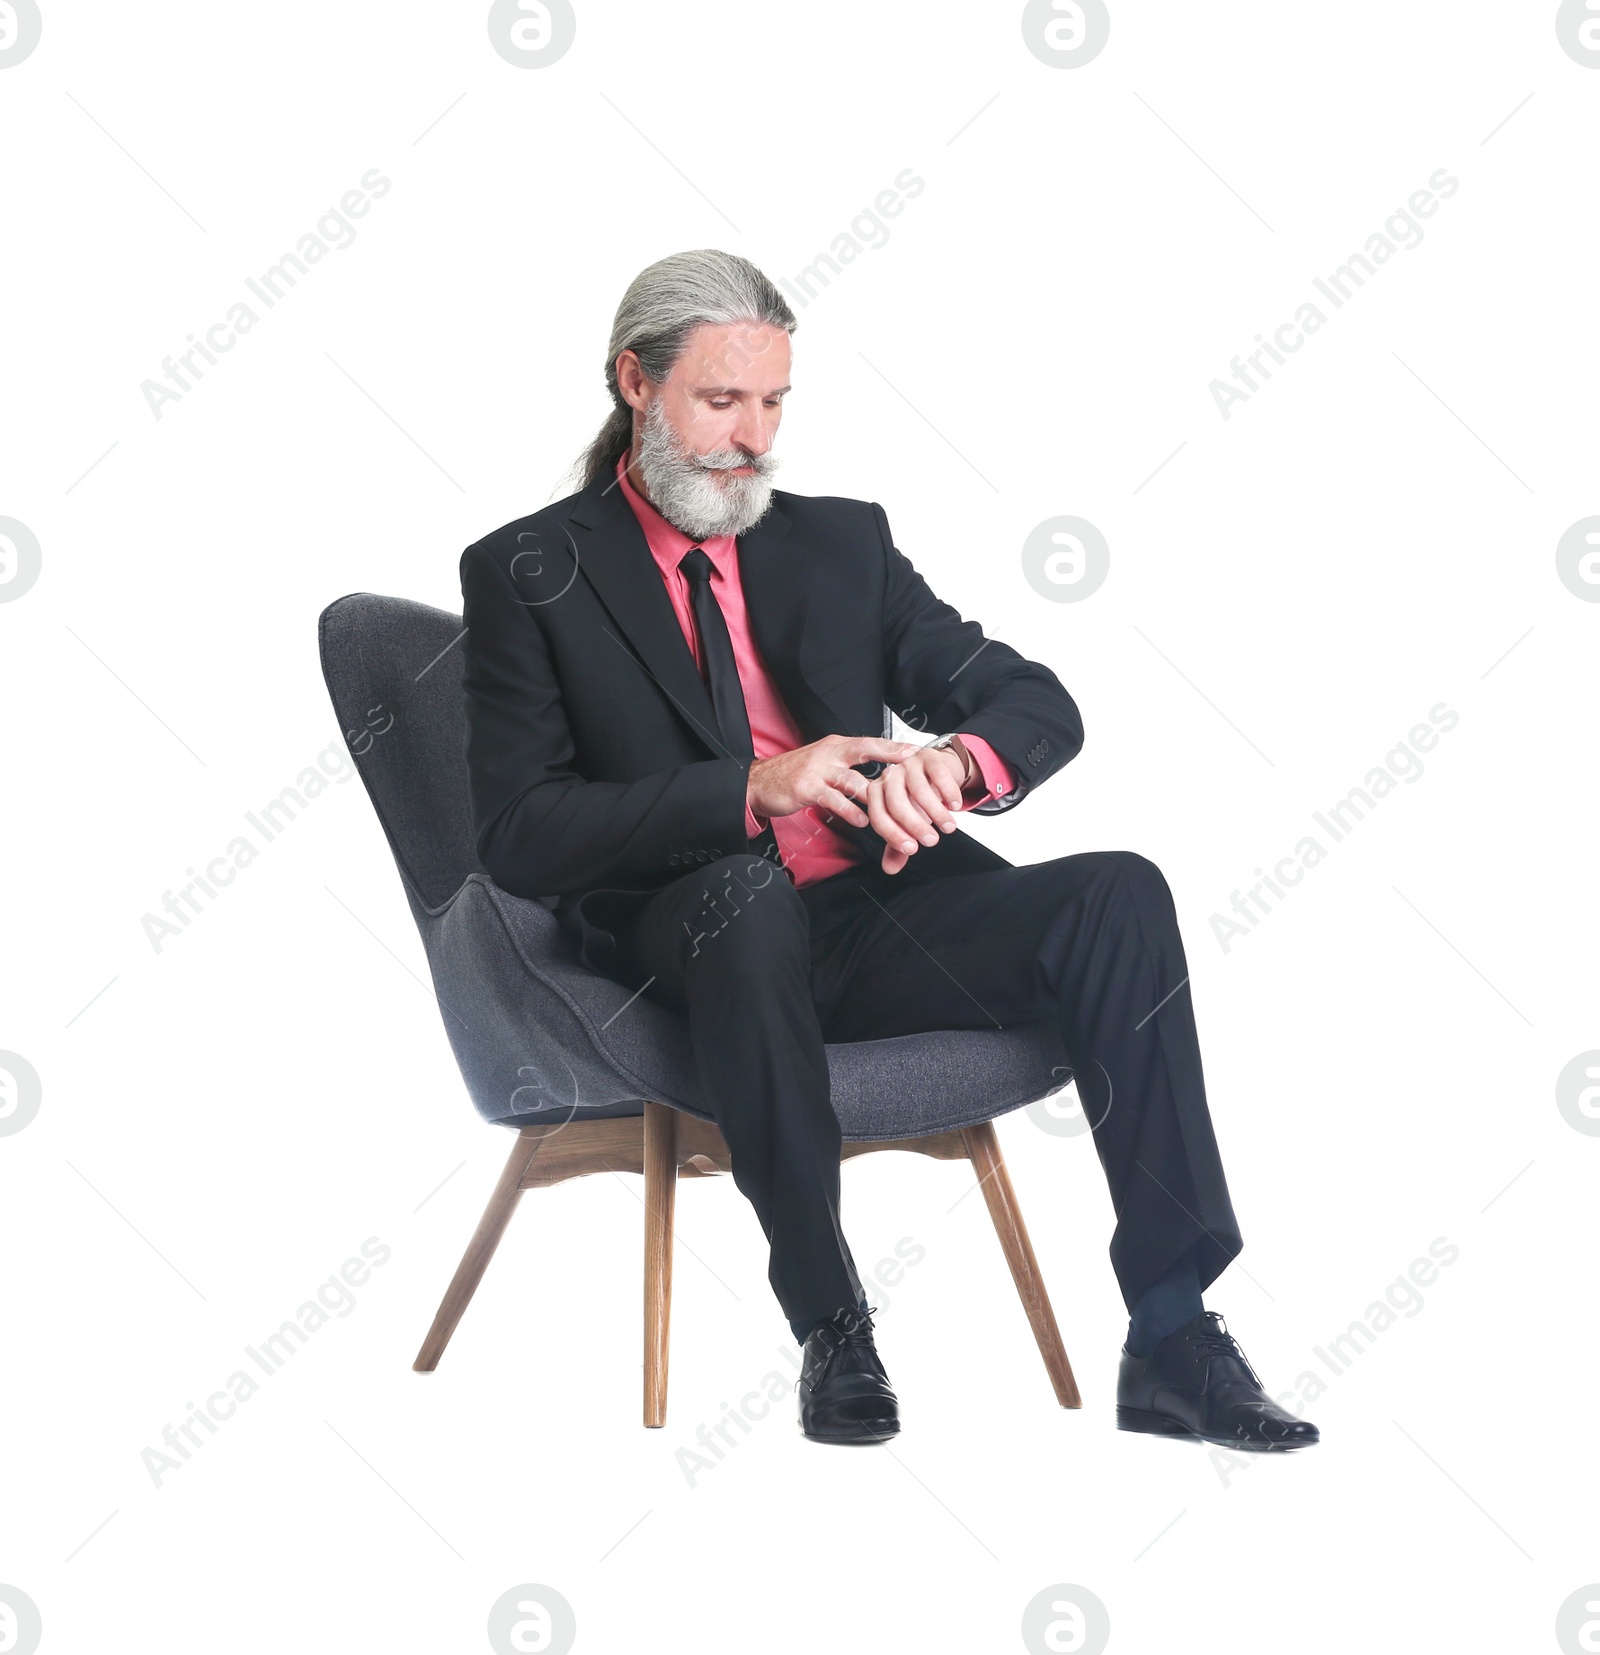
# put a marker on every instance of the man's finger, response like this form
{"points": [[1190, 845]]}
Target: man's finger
{"points": [[830, 798], [849, 781], [861, 749], [904, 810], [883, 824], [920, 785]]}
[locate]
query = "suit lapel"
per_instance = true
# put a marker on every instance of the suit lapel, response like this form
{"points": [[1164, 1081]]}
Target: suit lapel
{"points": [[614, 557], [777, 596]]}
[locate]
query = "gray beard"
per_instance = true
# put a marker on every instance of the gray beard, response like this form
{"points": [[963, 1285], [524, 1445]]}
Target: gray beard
{"points": [[694, 493]]}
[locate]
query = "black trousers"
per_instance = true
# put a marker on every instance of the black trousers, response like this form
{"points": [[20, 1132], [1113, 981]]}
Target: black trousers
{"points": [[766, 973]]}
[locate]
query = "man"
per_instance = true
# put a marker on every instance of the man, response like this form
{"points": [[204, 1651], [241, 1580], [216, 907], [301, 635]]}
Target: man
{"points": [[677, 681]]}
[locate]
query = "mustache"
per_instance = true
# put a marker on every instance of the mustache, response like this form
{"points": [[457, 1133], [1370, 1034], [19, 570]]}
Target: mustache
{"points": [[730, 459]]}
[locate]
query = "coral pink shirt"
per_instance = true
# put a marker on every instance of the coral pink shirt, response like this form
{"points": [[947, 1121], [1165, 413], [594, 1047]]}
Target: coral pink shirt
{"points": [[812, 847]]}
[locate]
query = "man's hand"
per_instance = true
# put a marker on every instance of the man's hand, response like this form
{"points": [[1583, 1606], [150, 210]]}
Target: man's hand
{"points": [[917, 800], [821, 774]]}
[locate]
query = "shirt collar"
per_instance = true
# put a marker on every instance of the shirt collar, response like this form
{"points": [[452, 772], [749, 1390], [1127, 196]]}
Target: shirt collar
{"points": [[666, 541]]}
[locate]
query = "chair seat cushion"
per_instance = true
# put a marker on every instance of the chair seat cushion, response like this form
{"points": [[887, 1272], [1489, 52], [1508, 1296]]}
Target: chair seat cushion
{"points": [[540, 1037]]}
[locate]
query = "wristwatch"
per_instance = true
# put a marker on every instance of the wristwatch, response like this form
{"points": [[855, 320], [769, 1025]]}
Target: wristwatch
{"points": [[948, 740]]}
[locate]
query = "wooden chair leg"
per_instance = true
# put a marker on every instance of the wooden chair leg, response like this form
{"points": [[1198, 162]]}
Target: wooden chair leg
{"points": [[502, 1204], [660, 1199], [983, 1147]]}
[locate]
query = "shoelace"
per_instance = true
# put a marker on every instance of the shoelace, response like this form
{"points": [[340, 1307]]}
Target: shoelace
{"points": [[1219, 1342], [859, 1331]]}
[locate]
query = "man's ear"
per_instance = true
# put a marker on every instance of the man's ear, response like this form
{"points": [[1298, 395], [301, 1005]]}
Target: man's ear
{"points": [[632, 381]]}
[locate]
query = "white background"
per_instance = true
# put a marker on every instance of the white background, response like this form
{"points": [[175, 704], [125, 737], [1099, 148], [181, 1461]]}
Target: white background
{"points": [[226, 1120]]}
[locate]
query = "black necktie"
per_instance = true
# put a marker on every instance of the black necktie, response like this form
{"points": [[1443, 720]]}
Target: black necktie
{"points": [[722, 678], [716, 649]]}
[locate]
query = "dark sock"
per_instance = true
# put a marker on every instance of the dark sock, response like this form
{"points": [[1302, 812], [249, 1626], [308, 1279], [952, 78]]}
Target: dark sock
{"points": [[803, 1330], [1165, 1305]]}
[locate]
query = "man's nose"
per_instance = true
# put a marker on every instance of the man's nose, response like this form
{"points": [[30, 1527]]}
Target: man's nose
{"points": [[750, 432]]}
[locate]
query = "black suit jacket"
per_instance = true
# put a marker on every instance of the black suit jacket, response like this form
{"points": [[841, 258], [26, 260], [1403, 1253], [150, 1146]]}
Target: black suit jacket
{"points": [[596, 771]]}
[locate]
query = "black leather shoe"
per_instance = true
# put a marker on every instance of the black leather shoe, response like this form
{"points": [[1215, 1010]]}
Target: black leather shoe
{"points": [[844, 1391], [1197, 1383]]}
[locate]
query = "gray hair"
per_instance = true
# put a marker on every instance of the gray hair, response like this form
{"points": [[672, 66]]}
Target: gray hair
{"points": [[664, 304]]}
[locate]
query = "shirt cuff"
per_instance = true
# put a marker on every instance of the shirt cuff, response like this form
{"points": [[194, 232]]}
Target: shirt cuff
{"points": [[995, 777], [752, 823]]}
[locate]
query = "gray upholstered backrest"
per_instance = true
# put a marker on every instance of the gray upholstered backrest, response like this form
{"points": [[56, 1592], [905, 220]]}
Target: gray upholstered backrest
{"points": [[393, 669]]}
